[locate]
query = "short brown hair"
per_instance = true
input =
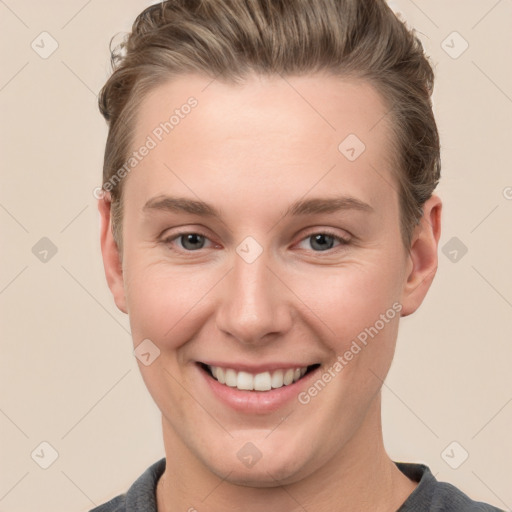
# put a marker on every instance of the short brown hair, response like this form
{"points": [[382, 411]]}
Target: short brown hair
{"points": [[228, 39]]}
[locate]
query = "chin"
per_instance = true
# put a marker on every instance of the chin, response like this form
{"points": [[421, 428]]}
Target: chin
{"points": [[267, 471], [273, 476]]}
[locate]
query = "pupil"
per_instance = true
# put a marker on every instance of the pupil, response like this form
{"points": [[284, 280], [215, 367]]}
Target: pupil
{"points": [[193, 239], [323, 242], [321, 238]]}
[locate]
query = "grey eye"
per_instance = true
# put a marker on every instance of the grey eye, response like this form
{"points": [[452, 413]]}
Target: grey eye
{"points": [[322, 241], [192, 241]]}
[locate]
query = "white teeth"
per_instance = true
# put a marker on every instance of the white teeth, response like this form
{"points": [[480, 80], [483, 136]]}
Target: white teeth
{"points": [[260, 382], [277, 379], [245, 381], [288, 377], [220, 375], [231, 379]]}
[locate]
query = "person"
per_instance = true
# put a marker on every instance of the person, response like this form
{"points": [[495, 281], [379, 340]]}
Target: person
{"points": [[267, 217]]}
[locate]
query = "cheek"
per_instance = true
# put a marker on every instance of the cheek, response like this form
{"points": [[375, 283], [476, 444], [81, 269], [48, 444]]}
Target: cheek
{"points": [[169, 303], [164, 302], [343, 302]]}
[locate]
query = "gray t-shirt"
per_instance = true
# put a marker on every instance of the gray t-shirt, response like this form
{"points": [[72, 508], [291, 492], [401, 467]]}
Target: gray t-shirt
{"points": [[429, 496]]}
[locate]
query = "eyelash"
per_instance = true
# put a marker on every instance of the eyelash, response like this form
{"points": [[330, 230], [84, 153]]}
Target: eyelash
{"points": [[342, 241]]}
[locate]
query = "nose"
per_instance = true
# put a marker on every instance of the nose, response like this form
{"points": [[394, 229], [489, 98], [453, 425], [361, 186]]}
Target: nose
{"points": [[254, 306]]}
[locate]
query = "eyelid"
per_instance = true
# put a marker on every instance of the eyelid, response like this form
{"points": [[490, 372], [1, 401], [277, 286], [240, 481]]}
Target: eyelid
{"points": [[167, 239], [316, 231], [326, 231], [342, 241]]}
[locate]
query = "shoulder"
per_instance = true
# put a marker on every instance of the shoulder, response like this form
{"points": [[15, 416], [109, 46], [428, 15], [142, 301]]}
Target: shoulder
{"points": [[141, 496], [430, 494], [117, 504], [448, 497]]}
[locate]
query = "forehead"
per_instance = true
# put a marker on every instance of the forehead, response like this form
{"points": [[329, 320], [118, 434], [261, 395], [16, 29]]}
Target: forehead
{"points": [[265, 134]]}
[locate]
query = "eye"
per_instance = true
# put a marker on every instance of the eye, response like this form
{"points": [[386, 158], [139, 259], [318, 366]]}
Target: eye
{"points": [[324, 241], [189, 241], [194, 241]]}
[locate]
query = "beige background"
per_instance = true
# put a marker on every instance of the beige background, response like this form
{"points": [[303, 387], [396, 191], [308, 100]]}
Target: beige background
{"points": [[68, 376]]}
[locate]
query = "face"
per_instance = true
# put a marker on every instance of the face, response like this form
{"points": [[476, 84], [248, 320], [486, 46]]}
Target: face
{"points": [[291, 277]]}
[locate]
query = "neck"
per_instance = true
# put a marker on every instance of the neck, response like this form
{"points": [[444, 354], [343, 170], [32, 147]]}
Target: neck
{"points": [[360, 476]]}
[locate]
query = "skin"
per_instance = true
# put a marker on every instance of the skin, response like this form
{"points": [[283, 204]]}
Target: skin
{"points": [[251, 150]]}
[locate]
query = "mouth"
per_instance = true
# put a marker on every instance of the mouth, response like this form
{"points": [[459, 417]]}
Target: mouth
{"points": [[257, 382]]}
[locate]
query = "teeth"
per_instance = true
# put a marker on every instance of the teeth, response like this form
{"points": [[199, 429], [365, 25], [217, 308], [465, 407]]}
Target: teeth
{"points": [[288, 377], [276, 380], [245, 381], [260, 382], [220, 375], [231, 378]]}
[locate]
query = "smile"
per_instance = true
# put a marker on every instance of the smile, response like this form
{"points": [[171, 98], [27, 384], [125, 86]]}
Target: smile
{"points": [[264, 381]]}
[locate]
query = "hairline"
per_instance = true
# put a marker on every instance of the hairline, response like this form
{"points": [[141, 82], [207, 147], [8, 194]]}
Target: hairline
{"points": [[148, 85]]}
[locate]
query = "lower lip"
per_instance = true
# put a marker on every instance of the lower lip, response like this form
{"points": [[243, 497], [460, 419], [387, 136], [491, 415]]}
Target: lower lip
{"points": [[257, 402]]}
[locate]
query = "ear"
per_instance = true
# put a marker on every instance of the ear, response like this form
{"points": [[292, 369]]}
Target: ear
{"points": [[422, 258], [111, 255]]}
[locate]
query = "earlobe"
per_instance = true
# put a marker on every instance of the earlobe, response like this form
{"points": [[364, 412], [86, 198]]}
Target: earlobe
{"points": [[110, 253], [423, 259]]}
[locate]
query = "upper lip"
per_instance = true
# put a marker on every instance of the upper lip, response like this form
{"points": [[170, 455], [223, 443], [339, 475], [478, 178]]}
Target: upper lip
{"points": [[259, 368]]}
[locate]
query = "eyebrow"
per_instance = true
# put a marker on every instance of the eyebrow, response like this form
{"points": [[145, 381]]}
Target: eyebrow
{"points": [[300, 207]]}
